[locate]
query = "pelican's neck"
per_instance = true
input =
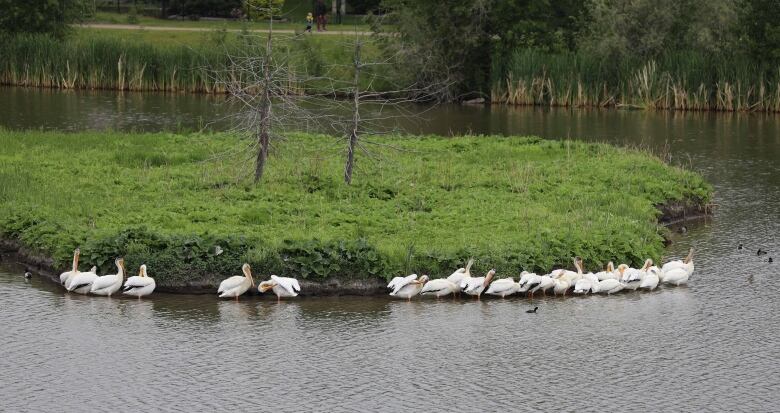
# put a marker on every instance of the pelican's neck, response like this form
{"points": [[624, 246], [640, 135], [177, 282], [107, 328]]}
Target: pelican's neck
{"points": [[120, 271], [689, 258], [75, 262]]}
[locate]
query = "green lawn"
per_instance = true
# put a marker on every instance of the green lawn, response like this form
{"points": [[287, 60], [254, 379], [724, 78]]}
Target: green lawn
{"points": [[418, 204]]}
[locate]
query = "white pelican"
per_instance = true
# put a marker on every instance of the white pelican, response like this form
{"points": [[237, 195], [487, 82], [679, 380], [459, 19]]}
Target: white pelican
{"points": [[583, 285], [398, 282], [111, 283], [140, 285], [686, 264], [282, 286], [65, 277], [461, 273], [503, 287], [561, 286], [675, 276], [608, 286], [650, 281], [439, 287], [525, 277], [81, 282], [237, 284], [407, 287], [545, 283], [633, 277], [476, 285], [531, 284], [608, 274], [570, 276]]}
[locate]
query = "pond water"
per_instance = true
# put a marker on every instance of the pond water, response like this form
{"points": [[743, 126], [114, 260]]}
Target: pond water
{"points": [[710, 346]]}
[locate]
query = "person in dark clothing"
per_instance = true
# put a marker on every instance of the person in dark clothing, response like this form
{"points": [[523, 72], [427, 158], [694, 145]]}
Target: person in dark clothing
{"points": [[320, 13]]}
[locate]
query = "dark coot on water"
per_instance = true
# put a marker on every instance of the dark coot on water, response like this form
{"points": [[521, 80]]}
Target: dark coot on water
{"points": [[532, 311], [770, 259], [740, 246]]}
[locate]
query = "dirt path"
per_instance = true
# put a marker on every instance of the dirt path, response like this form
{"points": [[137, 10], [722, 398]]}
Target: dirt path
{"points": [[205, 29]]}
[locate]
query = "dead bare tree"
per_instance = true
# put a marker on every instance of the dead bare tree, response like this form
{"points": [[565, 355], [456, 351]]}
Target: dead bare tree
{"points": [[353, 135], [261, 85], [277, 94], [397, 97]]}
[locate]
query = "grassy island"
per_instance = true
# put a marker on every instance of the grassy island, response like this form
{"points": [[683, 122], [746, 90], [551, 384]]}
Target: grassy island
{"points": [[181, 204]]}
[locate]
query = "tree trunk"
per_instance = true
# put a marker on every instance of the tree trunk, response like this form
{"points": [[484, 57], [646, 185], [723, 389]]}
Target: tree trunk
{"points": [[353, 136], [265, 110], [263, 138]]}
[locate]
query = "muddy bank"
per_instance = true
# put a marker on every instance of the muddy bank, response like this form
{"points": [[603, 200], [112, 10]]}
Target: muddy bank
{"points": [[671, 213], [14, 252], [675, 212]]}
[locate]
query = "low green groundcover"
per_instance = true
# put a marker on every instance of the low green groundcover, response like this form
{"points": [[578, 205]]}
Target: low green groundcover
{"points": [[185, 204]]}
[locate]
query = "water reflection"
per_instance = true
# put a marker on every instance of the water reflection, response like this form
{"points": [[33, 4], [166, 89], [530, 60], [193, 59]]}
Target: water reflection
{"points": [[713, 343]]}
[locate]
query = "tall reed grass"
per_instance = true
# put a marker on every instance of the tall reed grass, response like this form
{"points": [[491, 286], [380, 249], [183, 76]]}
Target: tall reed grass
{"points": [[682, 81], [108, 63]]}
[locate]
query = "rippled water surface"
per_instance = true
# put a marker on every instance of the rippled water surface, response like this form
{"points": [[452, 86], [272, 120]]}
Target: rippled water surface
{"points": [[713, 345]]}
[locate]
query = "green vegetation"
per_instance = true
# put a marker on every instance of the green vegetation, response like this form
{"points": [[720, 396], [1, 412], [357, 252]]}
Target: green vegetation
{"points": [[106, 59], [42, 16], [419, 204], [666, 54], [684, 81]]}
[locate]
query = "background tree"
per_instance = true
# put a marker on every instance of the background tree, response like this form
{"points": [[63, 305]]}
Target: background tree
{"points": [[439, 42], [620, 29], [456, 42], [760, 22], [42, 16]]}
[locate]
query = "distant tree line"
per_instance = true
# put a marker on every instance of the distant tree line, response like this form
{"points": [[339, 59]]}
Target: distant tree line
{"points": [[466, 37]]}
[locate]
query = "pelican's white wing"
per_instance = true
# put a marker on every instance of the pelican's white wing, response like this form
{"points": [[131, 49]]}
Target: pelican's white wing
{"points": [[650, 281], [524, 277], [671, 265], [104, 282], [65, 278], [500, 286], [582, 285], [473, 284], [438, 285], [400, 282], [230, 283], [83, 279], [136, 282], [457, 276], [289, 284]]}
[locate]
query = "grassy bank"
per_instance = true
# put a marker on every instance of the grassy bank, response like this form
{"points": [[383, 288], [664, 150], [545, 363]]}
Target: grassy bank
{"points": [[161, 61], [682, 81], [424, 206]]}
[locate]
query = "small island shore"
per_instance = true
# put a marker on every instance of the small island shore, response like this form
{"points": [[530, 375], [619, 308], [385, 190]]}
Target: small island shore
{"points": [[181, 205]]}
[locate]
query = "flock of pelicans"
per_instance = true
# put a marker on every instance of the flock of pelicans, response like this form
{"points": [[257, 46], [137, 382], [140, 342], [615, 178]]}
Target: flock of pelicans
{"points": [[560, 281], [142, 285]]}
